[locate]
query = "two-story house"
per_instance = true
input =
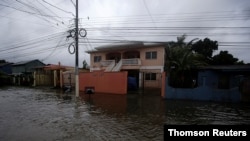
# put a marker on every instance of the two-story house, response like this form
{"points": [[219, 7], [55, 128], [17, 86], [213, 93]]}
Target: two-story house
{"points": [[143, 61]]}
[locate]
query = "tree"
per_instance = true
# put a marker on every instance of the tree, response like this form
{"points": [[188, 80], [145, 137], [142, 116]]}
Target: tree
{"points": [[206, 48], [180, 60], [84, 64], [2, 61], [225, 58]]}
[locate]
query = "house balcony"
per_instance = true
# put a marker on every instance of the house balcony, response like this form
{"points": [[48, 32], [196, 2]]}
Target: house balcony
{"points": [[133, 62], [106, 63], [111, 65]]}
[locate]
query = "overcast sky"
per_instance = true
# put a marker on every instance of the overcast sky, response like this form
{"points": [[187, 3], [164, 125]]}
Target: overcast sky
{"points": [[37, 29]]}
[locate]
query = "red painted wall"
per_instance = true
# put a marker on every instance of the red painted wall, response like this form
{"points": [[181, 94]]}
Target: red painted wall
{"points": [[104, 82]]}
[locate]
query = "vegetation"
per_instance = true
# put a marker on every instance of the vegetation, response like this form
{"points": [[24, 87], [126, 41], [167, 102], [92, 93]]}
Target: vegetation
{"points": [[183, 59], [225, 58], [180, 59], [206, 48], [84, 64]]}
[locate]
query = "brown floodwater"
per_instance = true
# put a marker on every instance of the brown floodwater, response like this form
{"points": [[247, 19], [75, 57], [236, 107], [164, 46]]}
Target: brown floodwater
{"points": [[44, 114]]}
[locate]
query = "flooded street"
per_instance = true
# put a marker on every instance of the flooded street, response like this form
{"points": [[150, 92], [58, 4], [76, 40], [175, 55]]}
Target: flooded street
{"points": [[44, 114]]}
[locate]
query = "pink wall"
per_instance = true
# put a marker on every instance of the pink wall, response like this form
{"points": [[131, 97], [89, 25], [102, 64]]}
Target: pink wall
{"points": [[104, 82]]}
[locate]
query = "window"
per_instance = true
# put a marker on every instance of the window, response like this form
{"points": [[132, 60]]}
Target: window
{"points": [[97, 58], [151, 55], [150, 76]]}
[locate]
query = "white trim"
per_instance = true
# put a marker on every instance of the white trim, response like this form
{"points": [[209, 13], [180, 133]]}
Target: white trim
{"points": [[152, 67]]}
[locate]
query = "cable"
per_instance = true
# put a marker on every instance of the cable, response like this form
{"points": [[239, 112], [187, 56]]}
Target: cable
{"points": [[146, 6], [28, 11], [53, 50], [59, 8], [49, 10], [30, 42], [73, 3]]}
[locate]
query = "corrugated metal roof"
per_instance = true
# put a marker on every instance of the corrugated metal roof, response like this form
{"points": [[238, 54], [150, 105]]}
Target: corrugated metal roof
{"points": [[4, 64], [228, 67], [127, 45], [25, 62]]}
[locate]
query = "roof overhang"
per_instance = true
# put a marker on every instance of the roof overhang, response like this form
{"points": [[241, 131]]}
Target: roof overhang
{"points": [[127, 45]]}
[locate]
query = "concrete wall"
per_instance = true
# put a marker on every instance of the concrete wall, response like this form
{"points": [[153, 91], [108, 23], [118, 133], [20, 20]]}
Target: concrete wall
{"points": [[159, 61], [204, 92], [43, 79], [104, 82]]}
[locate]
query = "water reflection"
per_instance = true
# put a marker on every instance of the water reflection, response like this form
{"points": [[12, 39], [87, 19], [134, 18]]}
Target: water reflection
{"points": [[170, 111], [200, 112], [109, 104], [46, 114]]}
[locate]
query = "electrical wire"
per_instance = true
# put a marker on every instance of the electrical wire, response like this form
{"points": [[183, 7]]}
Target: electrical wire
{"points": [[58, 8], [29, 11]]}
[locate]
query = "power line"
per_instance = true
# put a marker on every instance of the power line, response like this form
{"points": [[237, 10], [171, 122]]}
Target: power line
{"points": [[21, 20], [54, 49], [73, 3], [146, 6], [30, 12], [35, 9], [49, 10], [58, 8], [31, 41]]}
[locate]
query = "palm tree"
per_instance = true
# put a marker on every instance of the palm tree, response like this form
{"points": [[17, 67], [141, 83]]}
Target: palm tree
{"points": [[180, 59]]}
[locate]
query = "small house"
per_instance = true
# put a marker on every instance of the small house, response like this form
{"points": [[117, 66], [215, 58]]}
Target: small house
{"points": [[216, 83], [23, 71]]}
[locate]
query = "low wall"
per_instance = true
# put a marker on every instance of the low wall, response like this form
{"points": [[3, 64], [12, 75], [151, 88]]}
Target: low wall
{"points": [[203, 93], [104, 82]]}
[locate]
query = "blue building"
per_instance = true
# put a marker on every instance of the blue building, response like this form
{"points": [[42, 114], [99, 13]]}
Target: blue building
{"points": [[5, 72], [216, 83], [6, 67], [23, 71]]}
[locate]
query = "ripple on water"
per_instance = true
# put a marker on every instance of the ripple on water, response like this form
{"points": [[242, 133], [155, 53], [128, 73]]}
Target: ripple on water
{"points": [[104, 117]]}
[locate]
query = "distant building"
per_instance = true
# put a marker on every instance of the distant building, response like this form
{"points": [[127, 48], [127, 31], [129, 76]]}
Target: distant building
{"points": [[51, 75], [6, 68], [5, 72], [23, 71]]}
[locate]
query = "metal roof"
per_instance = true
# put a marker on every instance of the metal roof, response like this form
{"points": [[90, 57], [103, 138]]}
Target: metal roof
{"points": [[227, 67], [25, 62], [127, 45]]}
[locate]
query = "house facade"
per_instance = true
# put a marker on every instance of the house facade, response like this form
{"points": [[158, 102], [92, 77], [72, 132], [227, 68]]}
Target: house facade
{"points": [[23, 71], [53, 75], [215, 83], [143, 61]]}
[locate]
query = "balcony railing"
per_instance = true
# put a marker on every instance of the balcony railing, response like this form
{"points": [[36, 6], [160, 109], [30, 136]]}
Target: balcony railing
{"points": [[106, 63], [133, 61], [127, 62]]}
